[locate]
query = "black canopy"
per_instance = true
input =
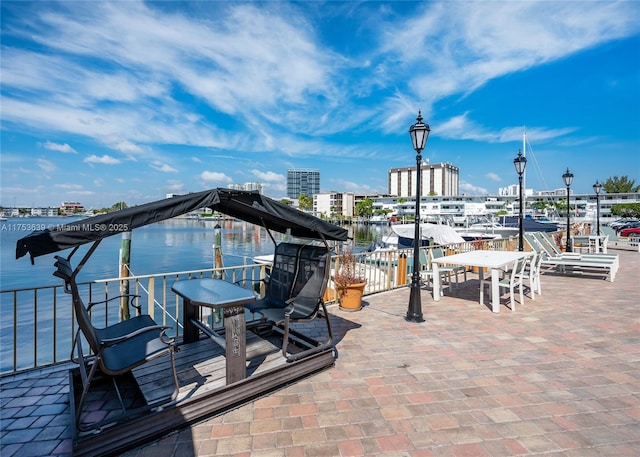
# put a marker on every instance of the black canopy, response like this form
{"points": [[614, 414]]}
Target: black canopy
{"points": [[248, 206]]}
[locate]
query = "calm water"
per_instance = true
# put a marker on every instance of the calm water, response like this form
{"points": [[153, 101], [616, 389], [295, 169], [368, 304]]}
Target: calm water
{"points": [[174, 245]]}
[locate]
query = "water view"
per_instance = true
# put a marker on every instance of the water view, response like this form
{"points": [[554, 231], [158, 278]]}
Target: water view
{"points": [[174, 245]]}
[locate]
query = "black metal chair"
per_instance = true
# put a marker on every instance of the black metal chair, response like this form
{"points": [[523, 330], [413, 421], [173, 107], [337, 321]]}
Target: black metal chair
{"points": [[282, 276], [117, 349], [306, 290]]}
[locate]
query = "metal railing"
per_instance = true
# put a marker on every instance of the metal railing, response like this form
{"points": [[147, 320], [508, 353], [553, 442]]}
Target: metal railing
{"points": [[37, 325]]}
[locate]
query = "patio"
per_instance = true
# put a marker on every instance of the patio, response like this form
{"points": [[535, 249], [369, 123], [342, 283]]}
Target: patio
{"points": [[561, 377]]}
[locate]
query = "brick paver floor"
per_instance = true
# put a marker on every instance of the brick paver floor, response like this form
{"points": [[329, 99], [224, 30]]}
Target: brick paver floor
{"points": [[559, 377]]}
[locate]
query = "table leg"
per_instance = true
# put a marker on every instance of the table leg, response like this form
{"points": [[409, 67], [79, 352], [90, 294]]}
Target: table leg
{"points": [[236, 345], [436, 282], [495, 290], [481, 277], [189, 312]]}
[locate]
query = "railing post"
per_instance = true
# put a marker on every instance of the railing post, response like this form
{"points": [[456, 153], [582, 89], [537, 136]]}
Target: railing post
{"points": [[151, 296]]}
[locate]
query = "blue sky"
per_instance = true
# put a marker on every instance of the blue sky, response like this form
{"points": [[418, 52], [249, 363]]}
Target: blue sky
{"points": [[103, 102]]}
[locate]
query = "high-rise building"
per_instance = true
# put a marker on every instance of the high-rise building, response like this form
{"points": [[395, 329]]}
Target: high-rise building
{"points": [[302, 181], [439, 179]]}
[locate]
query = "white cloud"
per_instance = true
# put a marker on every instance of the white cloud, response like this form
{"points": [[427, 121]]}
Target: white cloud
{"points": [[493, 177], [215, 177], [81, 193], [470, 189], [46, 165], [69, 186], [163, 167], [461, 127], [272, 61], [354, 187], [105, 160], [457, 47], [126, 147], [268, 176], [59, 147], [174, 186]]}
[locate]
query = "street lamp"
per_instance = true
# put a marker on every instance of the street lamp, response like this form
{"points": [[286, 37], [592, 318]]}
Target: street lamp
{"points": [[520, 163], [597, 187], [419, 133], [568, 179]]}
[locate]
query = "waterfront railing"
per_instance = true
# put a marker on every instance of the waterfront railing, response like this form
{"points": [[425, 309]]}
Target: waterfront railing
{"points": [[37, 324]]}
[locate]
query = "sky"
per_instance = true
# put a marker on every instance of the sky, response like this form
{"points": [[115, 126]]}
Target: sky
{"points": [[104, 102]]}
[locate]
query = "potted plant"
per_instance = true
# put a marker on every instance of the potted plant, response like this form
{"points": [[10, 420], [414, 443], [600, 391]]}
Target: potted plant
{"points": [[348, 283]]}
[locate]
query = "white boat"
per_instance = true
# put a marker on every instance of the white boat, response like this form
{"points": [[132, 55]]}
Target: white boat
{"points": [[486, 230], [402, 235]]}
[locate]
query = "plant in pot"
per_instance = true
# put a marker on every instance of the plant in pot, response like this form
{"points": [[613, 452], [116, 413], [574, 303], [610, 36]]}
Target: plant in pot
{"points": [[348, 283]]}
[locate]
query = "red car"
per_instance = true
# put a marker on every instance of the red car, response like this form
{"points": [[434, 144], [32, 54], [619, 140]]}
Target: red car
{"points": [[633, 231]]}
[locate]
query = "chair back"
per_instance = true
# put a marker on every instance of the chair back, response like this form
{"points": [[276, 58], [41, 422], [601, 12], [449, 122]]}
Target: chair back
{"points": [[519, 267], [65, 272], [436, 253], [543, 241], [532, 263], [551, 243], [283, 275], [533, 242], [311, 280], [424, 259]]}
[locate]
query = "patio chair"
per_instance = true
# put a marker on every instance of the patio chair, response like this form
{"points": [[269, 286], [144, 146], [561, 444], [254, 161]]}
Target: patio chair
{"points": [[547, 244], [309, 282], [426, 272], [117, 349], [552, 256], [279, 283], [436, 253], [514, 278], [532, 274]]}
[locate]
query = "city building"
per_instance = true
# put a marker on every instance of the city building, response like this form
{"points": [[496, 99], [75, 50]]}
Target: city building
{"points": [[69, 208], [458, 208], [513, 189], [439, 179], [247, 186], [331, 204], [302, 181]]}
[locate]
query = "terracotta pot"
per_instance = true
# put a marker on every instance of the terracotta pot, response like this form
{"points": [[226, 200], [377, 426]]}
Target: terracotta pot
{"points": [[351, 297]]}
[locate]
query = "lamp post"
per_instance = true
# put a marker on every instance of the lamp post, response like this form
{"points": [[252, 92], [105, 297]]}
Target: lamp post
{"points": [[597, 187], [520, 163], [568, 179], [419, 133]]}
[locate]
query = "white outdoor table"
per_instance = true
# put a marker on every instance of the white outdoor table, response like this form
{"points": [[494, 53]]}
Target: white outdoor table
{"points": [[216, 293], [495, 260]]}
